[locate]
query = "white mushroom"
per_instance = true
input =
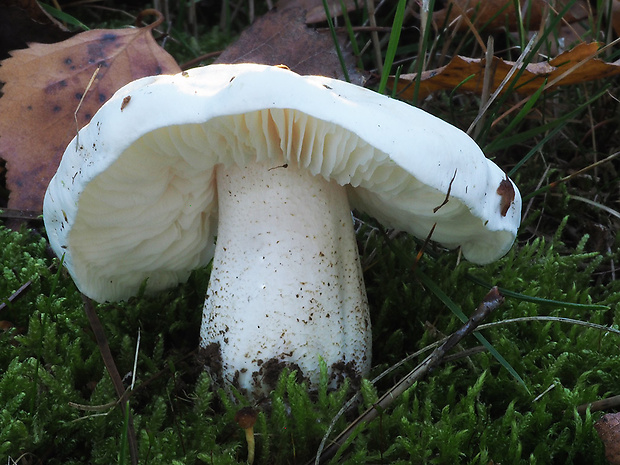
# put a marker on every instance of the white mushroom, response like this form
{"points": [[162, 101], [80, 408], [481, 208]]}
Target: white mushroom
{"points": [[271, 163]]}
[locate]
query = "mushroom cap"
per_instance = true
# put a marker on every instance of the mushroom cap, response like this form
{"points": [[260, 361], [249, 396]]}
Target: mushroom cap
{"points": [[134, 197], [246, 417]]}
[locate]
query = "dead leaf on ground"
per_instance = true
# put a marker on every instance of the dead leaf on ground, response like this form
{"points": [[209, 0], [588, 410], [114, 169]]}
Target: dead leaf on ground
{"points": [[608, 429], [498, 14], [43, 87], [468, 73], [282, 37]]}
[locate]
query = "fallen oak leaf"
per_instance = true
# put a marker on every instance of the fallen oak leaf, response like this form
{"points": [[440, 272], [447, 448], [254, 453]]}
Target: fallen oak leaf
{"points": [[468, 73], [44, 85]]}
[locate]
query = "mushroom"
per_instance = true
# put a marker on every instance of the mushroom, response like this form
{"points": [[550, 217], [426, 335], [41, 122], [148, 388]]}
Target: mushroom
{"points": [[271, 163], [246, 419]]}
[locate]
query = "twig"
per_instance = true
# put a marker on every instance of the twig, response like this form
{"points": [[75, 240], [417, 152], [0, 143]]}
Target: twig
{"points": [[494, 324], [515, 67], [75, 113], [20, 214], [605, 208], [489, 75], [370, 7], [108, 360], [555, 81], [102, 407], [445, 201], [490, 302], [195, 61], [20, 292], [555, 319], [129, 392], [420, 253], [135, 363], [603, 404], [554, 184]]}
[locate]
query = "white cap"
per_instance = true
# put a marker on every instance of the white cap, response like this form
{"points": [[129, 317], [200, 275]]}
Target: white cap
{"points": [[134, 196]]}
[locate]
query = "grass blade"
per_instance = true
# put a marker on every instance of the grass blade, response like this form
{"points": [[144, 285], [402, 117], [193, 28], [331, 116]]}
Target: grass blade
{"points": [[392, 44], [429, 6], [536, 300], [552, 127], [64, 17], [556, 127], [454, 308], [529, 104], [332, 31]]}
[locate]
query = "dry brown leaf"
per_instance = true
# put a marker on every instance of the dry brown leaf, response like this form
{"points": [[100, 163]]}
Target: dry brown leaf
{"points": [[282, 37], [501, 13], [608, 429], [43, 87], [468, 73]]}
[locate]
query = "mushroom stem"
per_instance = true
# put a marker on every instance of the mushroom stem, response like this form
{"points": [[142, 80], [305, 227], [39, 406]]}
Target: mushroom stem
{"points": [[286, 284], [249, 437], [246, 418]]}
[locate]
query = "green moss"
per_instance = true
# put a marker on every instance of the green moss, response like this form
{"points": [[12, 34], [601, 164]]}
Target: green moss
{"points": [[469, 411]]}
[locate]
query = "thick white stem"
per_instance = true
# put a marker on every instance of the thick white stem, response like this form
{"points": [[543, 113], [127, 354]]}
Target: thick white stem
{"points": [[286, 285]]}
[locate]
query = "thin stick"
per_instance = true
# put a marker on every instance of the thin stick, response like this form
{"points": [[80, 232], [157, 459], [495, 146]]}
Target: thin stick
{"points": [[515, 67], [135, 362], [20, 214], [490, 302], [77, 126], [555, 81], [108, 360], [598, 405], [554, 184], [20, 292], [420, 253], [374, 36], [445, 201], [129, 392], [102, 407], [489, 75]]}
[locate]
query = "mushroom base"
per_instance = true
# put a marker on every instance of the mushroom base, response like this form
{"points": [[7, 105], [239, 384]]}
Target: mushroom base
{"points": [[286, 288]]}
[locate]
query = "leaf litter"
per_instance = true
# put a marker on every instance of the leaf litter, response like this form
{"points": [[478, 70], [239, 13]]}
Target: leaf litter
{"points": [[44, 85], [468, 74]]}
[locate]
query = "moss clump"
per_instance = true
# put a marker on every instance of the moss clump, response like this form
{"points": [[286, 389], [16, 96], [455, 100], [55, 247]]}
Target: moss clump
{"points": [[469, 411]]}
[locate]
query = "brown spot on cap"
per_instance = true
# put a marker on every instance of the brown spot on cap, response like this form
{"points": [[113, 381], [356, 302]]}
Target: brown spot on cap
{"points": [[507, 193]]}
